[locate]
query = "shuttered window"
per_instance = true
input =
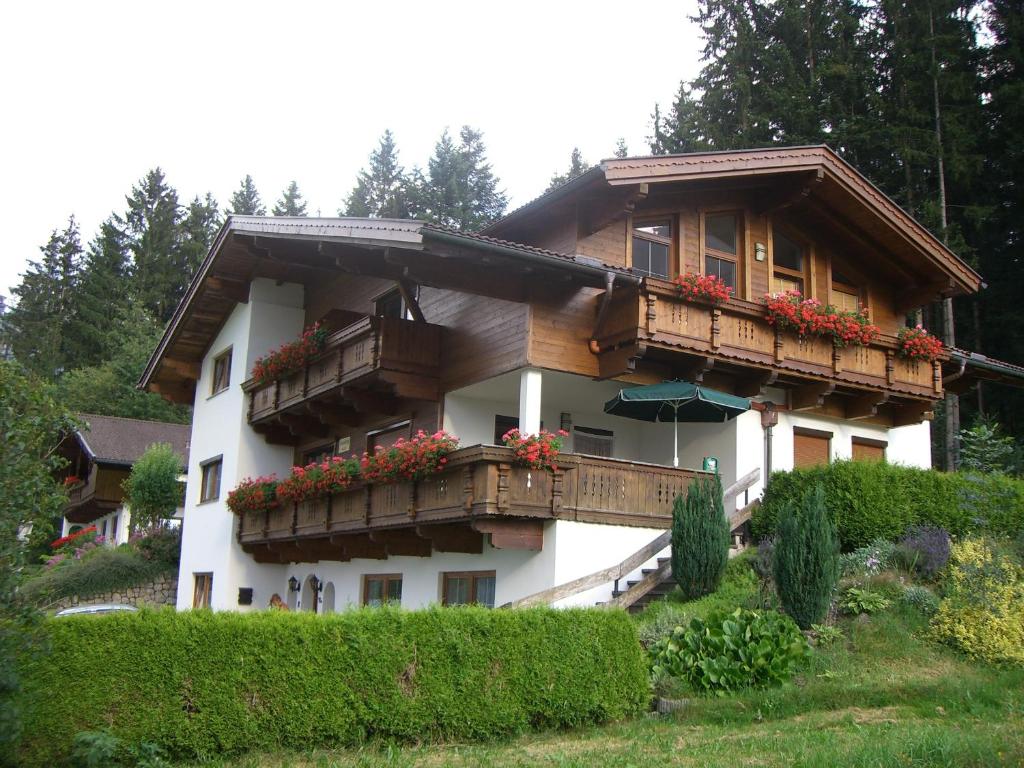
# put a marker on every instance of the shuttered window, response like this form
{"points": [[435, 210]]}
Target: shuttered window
{"points": [[868, 450], [811, 447]]}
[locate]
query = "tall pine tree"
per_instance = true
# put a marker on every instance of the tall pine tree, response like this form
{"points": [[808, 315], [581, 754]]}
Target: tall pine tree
{"points": [[381, 190], [577, 167], [246, 199], [198, 229], [291, 202]]}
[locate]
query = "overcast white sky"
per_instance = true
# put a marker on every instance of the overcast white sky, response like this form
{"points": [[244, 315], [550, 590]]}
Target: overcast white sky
{"points": [[93, 94]]}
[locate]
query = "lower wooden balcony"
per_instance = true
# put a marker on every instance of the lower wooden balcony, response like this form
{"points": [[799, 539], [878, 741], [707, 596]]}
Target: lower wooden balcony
{"points": [[480, 492], [655, 321], [363, 367]]}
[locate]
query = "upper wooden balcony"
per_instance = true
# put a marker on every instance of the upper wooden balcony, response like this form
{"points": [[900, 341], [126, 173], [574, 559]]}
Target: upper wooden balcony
{"points": [[362, 367], [98, 494], [480, 492], [735, 337]]}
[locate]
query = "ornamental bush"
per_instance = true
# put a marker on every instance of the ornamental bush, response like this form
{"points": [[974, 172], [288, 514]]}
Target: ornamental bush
{"points": [[982, 613], [868, 500], [924, 550], [201, 684], [729, 651], [806, 562], [700, 538], [103, 569], [152, 489]]}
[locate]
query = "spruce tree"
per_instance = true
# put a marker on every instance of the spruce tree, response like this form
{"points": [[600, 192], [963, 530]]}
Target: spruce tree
{"points": [[621, 150], [291, 202], [806, 559], [381, 190], [198, 229], [246, 199], [152, 226], [577, 167], [700, 538]]}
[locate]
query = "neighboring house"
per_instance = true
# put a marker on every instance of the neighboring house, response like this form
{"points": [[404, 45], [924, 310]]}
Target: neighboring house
{"points": [[536, 322], [100, 457]]}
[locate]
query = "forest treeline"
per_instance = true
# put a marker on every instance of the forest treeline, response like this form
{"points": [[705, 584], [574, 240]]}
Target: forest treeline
{"points": [[924, 97]]}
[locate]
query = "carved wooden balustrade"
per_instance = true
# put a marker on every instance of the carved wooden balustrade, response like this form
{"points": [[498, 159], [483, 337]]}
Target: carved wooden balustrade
{"points": [[479, 483], [737, 333], [402, 354]]}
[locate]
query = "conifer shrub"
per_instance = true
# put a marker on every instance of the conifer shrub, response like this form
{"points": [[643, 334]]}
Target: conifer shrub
{"points": [[806, 559], [700, 538], [199, 684]]}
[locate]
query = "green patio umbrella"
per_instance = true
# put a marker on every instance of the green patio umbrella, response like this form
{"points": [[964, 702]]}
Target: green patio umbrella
{"points": [[676, 401]]}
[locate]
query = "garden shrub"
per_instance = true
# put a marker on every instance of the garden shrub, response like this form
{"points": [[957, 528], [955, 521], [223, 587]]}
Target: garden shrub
{"points": [[920, 598], [728, 651], [924, 550], [873, 499], [700, 538], [870, 560], [201, 684], [983, 611], [666, 619], [104, 569], [856, 601], [152, 489], [806, 564]]}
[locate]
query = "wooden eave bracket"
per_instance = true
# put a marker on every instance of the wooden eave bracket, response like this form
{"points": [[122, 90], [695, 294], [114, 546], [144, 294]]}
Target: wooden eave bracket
{"points": [[912, 413], [512, 534], [865, 406], [794, 193], [917, 296], [810, 396], [756, 385], [620, 361]]}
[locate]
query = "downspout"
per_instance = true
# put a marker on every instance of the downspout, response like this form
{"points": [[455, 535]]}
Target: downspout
{"points": [[606, 300], [957, 375], [769, 419]]}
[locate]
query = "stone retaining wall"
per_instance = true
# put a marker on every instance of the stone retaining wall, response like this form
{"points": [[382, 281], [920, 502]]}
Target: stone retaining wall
{"points": [[160, 592]]}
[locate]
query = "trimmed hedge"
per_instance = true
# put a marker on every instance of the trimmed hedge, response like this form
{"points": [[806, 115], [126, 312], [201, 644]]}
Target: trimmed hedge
{"points": [[203, 684], [870, 499]]}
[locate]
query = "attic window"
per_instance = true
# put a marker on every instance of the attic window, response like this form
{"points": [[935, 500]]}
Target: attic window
{"points": [[789, 258], [721, 246], [652, 245], [845, 293]]}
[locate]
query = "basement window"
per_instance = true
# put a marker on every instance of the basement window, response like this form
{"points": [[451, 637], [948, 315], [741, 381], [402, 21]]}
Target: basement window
{"points": [[379, 589], [468, 588], [652, 246]]}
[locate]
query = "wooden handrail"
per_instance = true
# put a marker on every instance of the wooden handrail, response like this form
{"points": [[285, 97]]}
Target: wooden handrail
{"points": [[634, 561]]}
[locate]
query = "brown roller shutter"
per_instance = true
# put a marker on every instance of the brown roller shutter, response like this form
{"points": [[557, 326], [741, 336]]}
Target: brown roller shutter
{"points": [[868, 450], [810, 447]]}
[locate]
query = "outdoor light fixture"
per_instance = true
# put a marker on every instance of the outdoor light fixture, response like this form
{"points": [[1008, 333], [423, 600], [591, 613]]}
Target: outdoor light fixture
{"points": [[293, 584], [315, 584], [760, 251]]}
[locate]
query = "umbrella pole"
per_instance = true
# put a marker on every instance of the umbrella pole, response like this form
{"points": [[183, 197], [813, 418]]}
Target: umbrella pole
{"points": [[675, 437]]}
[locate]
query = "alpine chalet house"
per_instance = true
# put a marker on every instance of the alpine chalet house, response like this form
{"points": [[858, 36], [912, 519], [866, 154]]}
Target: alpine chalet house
{"points": [[536, 323]]}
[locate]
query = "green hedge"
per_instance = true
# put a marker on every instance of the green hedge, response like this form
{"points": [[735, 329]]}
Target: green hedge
{"points": [[201, 684], [869, 499]]}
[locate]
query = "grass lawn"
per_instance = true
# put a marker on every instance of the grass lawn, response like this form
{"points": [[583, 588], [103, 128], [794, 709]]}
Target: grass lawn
{"points": [[884, 696]]}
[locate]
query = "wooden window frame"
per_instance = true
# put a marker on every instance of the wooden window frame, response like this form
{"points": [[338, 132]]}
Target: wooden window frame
{"points": [[203, 467], [804, 275], [387, 578], [214, 388], [836, 286], [672, 261], [473, 576], [205, 578], [869, 442], [738, 259], [819, 433], [389, 295]]}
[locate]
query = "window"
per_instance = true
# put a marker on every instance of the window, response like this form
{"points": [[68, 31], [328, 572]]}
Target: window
{"points": [[652, 246], [593, 442], [317, 454], [382, 588], [390, 305], [866, 449], [788, 264], [113, 529], [210, 489], [221, 372], [503, 424], [721, 246], [387, 436], [811, 447], [845, 294], [202, 589], [471, 587]]}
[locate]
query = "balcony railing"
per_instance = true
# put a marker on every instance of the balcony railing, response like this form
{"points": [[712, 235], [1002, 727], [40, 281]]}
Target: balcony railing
{"points": [[481, 482], [402, 353], [737, 331]]}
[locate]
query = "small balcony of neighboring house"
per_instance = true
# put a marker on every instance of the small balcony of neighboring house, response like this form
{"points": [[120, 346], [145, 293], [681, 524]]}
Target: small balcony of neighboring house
{"points": [[734, 339], [481, 491], [368, 365]]}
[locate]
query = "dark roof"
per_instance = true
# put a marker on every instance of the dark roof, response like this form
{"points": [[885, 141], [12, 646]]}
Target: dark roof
{"points": [[116, 440], [987, 368]]}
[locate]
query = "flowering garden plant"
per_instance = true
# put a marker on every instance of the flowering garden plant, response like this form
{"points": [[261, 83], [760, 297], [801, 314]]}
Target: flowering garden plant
{"points": [[254, 495], [290, 357], [71, 481], [917, 344], [77, 538], [809, 317], [317, 479], [420, 456], [708, 287], [538, 451]]}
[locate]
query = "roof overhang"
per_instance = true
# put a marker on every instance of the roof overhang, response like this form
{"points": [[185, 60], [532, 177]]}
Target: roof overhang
{"points": [[965, 369]]}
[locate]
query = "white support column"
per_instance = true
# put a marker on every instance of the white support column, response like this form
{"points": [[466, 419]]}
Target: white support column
{"points": [[529, 401]]}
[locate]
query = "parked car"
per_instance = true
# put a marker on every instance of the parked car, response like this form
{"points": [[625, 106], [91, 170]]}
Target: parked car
{"points": [[100, 608]]}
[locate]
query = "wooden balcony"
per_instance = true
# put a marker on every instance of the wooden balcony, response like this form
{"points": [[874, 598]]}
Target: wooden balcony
{"points": [[480, 492], [99, 494], [363, 366], [735, 338]]}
